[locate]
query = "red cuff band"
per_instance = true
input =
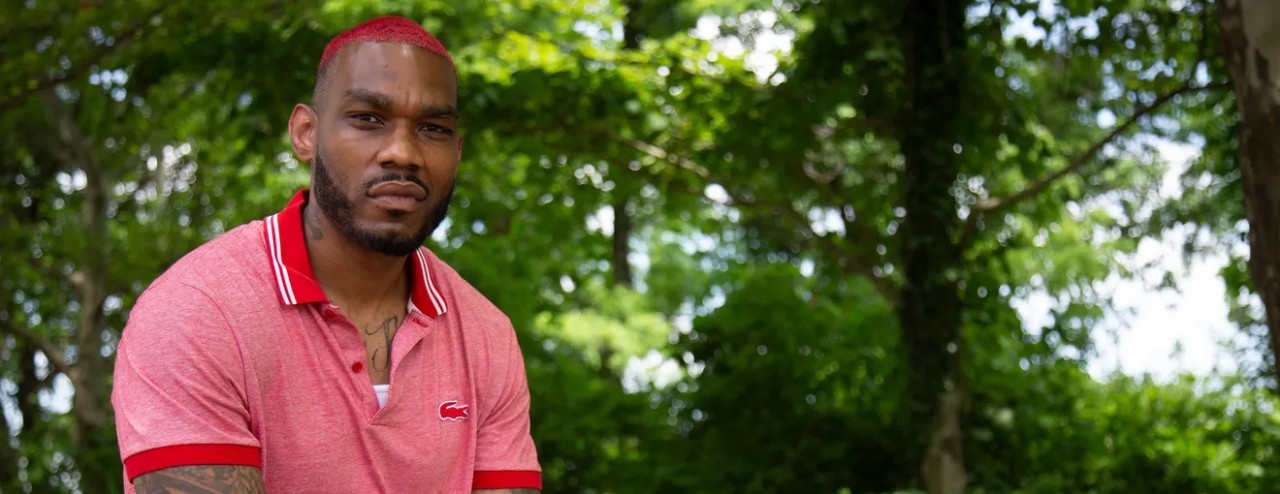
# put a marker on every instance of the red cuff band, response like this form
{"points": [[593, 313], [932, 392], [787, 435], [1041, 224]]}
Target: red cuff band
{"points": [[507, 479], [191, 454]]}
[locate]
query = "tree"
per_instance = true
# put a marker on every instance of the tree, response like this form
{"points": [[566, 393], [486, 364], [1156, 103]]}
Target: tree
{"points": [[810, 279], [1250, 48], [99, 146], [930, 312], [895, 170]]}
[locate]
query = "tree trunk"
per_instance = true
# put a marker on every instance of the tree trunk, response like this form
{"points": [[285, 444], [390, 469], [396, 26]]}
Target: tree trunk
{"points": [[621, 237], [29, 385], [1251, 46], [26, 402], [632, 33], [8, 456], [930, 310], [92, 432], [91, 401], [28, 395]]}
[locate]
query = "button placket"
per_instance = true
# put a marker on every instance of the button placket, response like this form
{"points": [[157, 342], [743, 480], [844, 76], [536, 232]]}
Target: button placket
{"points": [[408, 339], [353, 351]]}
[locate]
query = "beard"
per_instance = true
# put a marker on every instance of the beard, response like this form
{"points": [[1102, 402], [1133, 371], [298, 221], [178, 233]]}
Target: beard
{"points": [[341, 212]]}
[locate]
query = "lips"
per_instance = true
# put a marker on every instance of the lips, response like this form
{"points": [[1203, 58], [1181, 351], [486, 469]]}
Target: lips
{"points": [[398, 188], [397, 195]]}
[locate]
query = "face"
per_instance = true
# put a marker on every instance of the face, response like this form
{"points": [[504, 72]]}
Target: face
{"points": [[384, 145]]}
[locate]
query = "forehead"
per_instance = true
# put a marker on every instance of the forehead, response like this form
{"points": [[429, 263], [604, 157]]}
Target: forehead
{"points": [[409, 74]]}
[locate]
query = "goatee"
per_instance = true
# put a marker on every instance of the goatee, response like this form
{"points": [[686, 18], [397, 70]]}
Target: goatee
{"points": [[326, 194]]}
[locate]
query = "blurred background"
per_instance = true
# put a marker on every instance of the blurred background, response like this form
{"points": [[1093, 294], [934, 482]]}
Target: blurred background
{"points": [[943, 246]]}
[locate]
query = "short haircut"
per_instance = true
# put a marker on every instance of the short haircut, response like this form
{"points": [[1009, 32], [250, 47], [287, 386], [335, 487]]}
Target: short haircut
{"points": [[380, 30]]}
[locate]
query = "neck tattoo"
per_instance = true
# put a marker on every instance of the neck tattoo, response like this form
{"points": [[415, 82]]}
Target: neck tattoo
{"points": [[387, 328]]}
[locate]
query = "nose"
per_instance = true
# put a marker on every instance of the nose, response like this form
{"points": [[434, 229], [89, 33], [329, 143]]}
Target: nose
{"points": [[401, 150]]}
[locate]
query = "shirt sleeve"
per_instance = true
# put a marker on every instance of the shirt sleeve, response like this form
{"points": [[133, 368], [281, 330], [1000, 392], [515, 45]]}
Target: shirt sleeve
{"points": [[505, 454], [179, 392]]}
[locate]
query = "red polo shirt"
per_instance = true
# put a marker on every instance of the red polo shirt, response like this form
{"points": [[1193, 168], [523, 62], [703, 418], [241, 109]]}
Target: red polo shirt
{"points": [[235, 357]]}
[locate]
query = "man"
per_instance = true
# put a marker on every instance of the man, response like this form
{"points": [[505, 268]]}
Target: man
{"points": [[323, 349]]}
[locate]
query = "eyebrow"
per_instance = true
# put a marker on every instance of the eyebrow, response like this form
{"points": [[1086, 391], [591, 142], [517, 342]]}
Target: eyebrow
{"points": [[382, 101], [437, 111], [372, 98]]}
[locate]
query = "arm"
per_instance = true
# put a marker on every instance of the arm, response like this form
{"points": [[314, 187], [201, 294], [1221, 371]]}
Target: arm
{"points": [[202, 479], [506, 458], [182, 418]]}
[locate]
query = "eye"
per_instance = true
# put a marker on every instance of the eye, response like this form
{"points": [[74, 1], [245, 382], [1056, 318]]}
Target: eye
{"points": [[436, 129], [365, 119]]}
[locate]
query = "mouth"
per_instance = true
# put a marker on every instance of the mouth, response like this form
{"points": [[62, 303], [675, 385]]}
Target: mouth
{"points": [[397, 195], [398, 188]]}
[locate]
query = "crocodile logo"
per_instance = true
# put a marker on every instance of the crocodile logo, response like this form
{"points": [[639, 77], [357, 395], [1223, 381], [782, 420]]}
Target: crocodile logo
{"points": [[452, 410]]}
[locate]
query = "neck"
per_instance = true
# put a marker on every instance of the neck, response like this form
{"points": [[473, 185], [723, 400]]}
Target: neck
{"points": [[352, 277]]}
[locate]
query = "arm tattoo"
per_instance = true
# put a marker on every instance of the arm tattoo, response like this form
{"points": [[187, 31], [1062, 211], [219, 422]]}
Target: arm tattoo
{"points": [[388, 329], [507, 491], [202, 479]]}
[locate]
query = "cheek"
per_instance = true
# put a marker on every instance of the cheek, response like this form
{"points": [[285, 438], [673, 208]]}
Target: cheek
{"points": [[443, 161], [339, 178], [443, 178], [340, 153]]}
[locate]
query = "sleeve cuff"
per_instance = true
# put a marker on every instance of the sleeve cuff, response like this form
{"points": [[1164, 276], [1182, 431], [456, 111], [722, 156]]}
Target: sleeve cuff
{"points": [[191, 454], [507, 479]]}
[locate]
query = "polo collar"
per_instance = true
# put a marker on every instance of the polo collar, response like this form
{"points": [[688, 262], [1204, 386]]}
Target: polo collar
{"points": [[296, 283]]}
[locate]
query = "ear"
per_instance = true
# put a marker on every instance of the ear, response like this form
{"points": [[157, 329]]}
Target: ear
{"points": [[459, 148], [302, 132]]}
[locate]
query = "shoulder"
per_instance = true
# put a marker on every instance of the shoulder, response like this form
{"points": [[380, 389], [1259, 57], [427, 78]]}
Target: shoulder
{"points": [[189, 313], [470, 307], [214, 286], [488, 336], [231, 268]]}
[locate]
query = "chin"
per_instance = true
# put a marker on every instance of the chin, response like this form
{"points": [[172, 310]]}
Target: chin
{"points": [[392, 228], [389, 241], [376, 210], [376, 215], [387, 231]]}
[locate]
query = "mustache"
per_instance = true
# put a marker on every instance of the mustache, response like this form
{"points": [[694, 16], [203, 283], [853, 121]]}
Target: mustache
{"points": [[397, 177]]}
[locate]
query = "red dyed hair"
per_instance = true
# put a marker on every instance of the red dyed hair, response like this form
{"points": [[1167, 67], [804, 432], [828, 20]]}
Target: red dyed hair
{"points": [[385, 30]]}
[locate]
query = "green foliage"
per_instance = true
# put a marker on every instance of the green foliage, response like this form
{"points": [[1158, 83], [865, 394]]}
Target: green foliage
{"points": [[794, 383], [758, 347], [1129, 436]]}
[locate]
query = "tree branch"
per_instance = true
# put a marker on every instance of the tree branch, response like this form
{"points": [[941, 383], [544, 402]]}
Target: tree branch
{"points": [[636, 59], [662, 154], [883, 124], [825, 177], [1078, 162], [49, 272], [121, 38], [56, 358], [851, 265]]}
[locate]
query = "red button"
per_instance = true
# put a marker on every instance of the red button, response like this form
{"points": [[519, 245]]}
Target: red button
{"points": [[356, 367]]}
